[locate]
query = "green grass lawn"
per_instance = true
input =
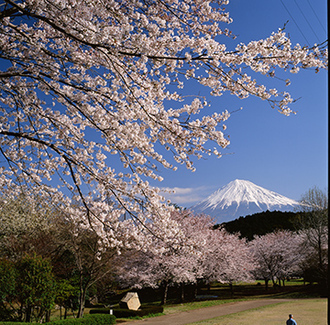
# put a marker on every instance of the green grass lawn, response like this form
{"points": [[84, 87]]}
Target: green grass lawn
{"points": [[305, 311], [178, 308]]}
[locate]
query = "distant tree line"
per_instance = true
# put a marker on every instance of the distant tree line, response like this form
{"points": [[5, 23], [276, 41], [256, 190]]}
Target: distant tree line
{"points": [[262, 223]]}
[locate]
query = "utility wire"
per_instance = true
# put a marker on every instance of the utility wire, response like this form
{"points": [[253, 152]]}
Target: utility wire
{"points": [[295, 23], [307, 21], [317, 17]]}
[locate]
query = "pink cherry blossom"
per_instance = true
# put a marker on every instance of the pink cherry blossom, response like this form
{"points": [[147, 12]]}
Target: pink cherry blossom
{"points": [[277, 254]]}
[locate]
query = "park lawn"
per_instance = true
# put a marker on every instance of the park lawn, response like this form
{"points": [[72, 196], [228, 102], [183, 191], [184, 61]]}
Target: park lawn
{"points": [[179, 308], [305, 311]]}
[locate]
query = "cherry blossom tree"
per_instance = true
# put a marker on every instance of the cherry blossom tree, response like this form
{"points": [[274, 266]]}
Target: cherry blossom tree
{"points": [[227, 259], [22, 214], [87, 86], [196, 253], [79, 255], [171, 259], [26, 226], [314, 229], [277, 255], [82, 257]]}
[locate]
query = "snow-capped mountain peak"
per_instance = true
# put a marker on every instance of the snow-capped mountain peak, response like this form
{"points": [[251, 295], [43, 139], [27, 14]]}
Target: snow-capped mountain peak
{"points": [[241, 198]]}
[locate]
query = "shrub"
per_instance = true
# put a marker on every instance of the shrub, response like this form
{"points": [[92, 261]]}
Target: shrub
{"points": [[86, 320], [124, 313], [100, 311]]}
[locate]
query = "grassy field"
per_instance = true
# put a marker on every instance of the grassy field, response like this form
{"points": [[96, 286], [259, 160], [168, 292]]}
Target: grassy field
{"points": [[179, 308], [305, 312]]}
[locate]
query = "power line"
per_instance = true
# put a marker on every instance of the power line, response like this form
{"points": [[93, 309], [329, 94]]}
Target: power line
{"points": [[295, 23], [307, 21], [317, 17]]}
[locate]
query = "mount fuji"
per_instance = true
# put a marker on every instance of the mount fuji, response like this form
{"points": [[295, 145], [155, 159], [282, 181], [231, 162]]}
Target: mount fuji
{"points": [[240, 198]]}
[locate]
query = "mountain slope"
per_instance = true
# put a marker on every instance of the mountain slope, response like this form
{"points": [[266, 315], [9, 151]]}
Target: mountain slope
{"points": [[242, 198]]}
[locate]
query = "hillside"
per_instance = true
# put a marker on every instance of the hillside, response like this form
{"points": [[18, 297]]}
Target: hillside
{"points": [[262, 223]]}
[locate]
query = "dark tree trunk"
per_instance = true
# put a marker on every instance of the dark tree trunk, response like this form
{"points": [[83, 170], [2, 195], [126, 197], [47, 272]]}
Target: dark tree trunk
{"points": [[82, 298], [182, 292], [266, 284], [47, 316], [195, 290], [231, 289], [28, 314], [81, 303], [274, 283], [165, 293]]}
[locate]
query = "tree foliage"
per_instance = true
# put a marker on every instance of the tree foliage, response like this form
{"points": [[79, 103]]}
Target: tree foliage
{"points": [[65, 292], [79, 257], [88, 257], [26, 225], [259, 224], [278, 255], [90, 95], [36, 287], [8, 278], [196, 253], [27, 289], [314, 225], [175, 261]]}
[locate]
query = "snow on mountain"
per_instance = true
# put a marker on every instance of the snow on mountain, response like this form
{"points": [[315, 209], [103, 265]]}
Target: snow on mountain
{"points": [[240, 198]]}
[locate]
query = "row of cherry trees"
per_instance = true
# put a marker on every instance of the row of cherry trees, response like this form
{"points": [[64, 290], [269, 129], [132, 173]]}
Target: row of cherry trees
{"points": [[191, 252], [199, 253], [207, 255]]}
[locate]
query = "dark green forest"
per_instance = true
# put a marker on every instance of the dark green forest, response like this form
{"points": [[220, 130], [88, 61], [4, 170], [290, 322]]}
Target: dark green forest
{"points": [[262, 223]]}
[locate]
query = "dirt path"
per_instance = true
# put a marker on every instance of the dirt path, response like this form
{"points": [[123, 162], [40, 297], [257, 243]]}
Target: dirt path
{"points": [[205, 313]]}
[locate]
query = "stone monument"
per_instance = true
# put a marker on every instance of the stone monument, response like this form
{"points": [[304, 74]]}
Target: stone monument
{"points": [[130, 301]]}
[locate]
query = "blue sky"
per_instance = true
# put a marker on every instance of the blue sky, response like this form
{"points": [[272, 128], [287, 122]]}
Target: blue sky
{"points": [[288, 155]]}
